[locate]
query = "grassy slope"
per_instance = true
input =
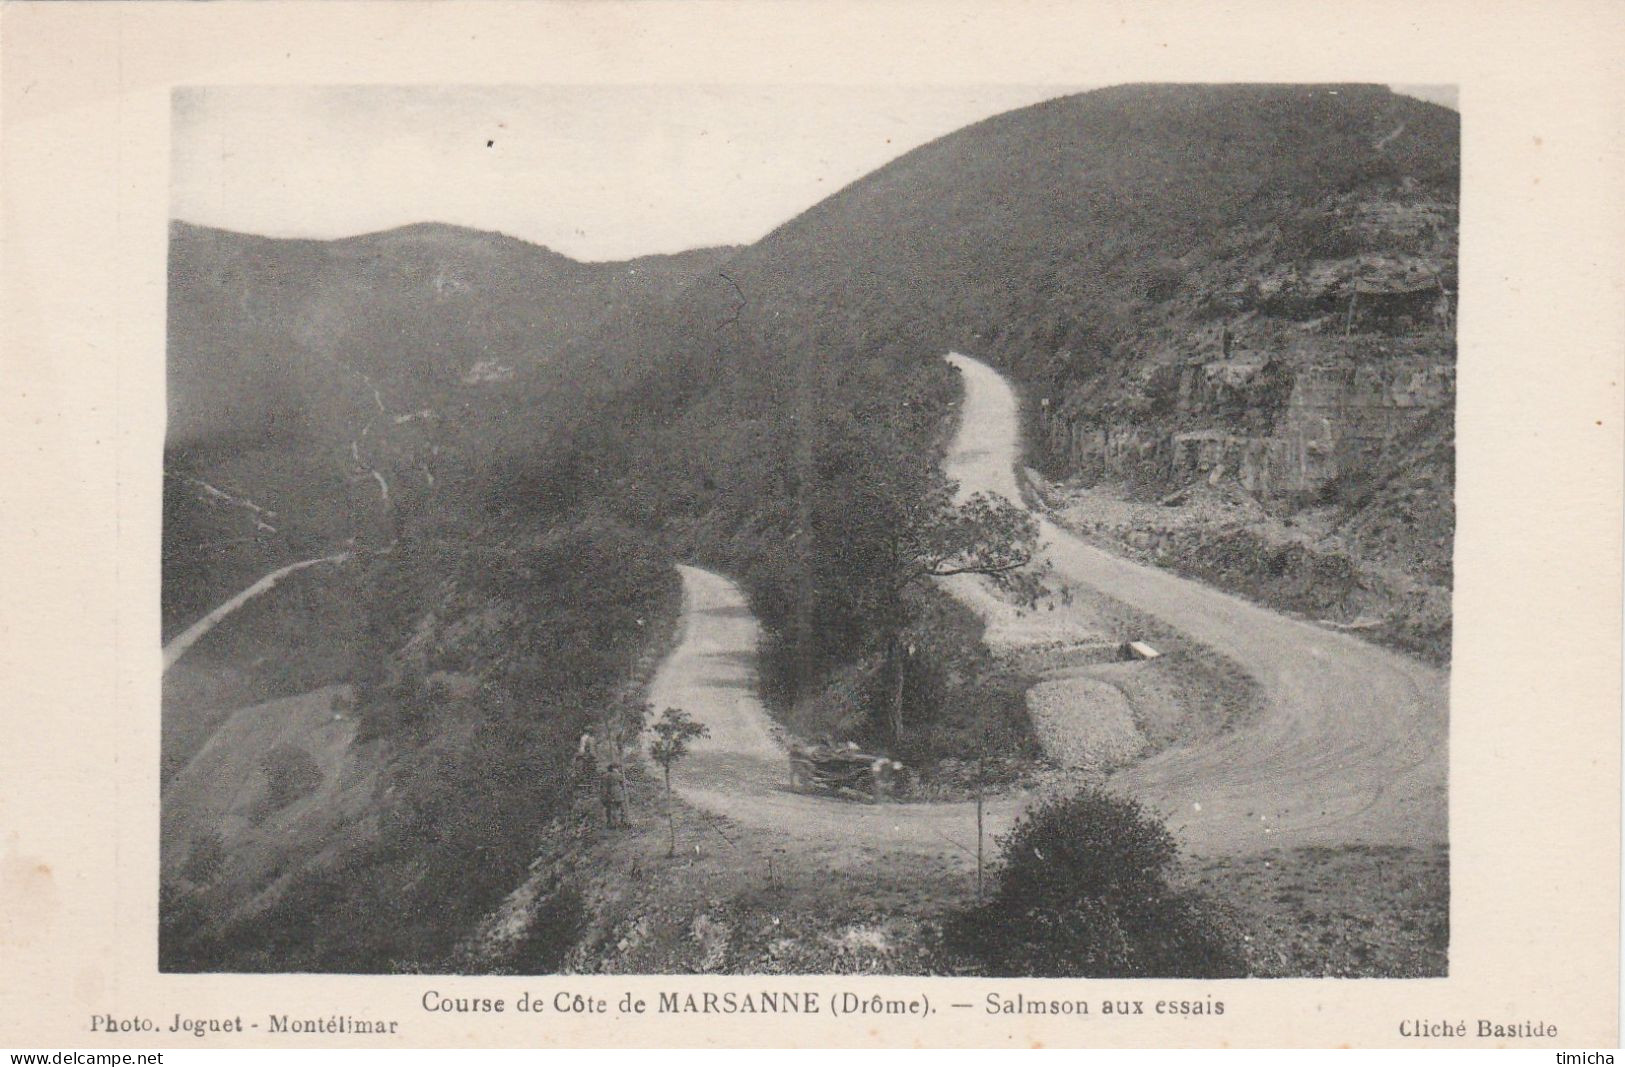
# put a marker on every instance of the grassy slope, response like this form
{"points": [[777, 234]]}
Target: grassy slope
{"points": [[437, 782]]}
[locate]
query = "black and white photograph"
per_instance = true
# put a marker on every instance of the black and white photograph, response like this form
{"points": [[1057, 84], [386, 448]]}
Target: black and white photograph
{"points": [[983, 531], [996, 530], [795, 524]]}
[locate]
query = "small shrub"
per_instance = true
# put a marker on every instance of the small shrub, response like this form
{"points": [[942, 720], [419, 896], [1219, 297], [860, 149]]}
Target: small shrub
{"points": [[290, 773], [206, 858], [558, 925], [1084, 891], [1319, 235]]}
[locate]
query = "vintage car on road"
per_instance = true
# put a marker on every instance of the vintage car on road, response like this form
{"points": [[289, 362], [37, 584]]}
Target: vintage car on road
{"points": [[843, 770]]}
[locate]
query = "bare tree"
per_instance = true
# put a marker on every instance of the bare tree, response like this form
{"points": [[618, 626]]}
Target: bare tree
{"points": [[673, 732]]}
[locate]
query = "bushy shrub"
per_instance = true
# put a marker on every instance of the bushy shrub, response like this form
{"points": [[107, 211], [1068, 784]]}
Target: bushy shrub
{"points": [[1084, 891], [290, 773], [206, 858], [557, 927]]}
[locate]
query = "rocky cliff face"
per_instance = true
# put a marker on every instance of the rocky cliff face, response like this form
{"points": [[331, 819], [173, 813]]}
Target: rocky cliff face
{"points": [[1287, 394], [1298, 357], [1337, 417]]}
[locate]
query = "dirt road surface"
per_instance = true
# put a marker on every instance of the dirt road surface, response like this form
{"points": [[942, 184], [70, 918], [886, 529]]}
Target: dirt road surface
{"points": [[742, 773], [194, 633], [1350, 747]]}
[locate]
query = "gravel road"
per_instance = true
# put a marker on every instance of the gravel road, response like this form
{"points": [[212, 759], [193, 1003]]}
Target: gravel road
{"points": [[1350, 747]]}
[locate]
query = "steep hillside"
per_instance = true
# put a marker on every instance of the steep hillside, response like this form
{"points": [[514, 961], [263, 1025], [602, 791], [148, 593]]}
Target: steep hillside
{"points": [[263, 331], [1078, 210], [314, 386], [1253, 280], [385, 737], [1243, 291], [365, 827]]}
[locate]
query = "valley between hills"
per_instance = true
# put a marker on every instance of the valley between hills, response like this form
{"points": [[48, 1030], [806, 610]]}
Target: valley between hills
{"points": [[1158, 570]]}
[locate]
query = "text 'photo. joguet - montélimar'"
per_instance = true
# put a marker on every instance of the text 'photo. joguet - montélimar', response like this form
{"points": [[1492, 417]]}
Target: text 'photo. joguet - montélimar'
{"points": [[997, 530]]}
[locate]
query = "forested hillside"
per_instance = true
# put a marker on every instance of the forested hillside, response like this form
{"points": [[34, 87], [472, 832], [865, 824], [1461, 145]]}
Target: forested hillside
{"points": [[319, 389], [1094, 246], [524, 445], [358, 764]]}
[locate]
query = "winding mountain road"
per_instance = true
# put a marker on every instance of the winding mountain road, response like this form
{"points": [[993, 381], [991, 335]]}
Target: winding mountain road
{"points": [[1351, 744], [742, 773], [1349, 748], [178, 645]]}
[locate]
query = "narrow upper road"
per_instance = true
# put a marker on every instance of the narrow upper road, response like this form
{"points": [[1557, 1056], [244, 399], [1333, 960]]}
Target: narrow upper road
{"points": [[1351, 745], [192, 634]]}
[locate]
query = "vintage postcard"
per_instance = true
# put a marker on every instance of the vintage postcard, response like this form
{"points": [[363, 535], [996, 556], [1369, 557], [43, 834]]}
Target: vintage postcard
{"points": [[541, 524]]}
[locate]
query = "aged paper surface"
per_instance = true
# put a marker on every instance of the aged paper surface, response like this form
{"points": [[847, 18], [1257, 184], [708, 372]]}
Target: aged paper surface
{"points": [[93, 99]]}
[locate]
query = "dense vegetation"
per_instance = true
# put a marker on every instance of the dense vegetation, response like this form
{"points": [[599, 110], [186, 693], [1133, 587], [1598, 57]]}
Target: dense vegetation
{"points": [[339, 385], [473, 779], [1047, 238], [1083, 890], [778, 419], [350, 394], [816, 483]]}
